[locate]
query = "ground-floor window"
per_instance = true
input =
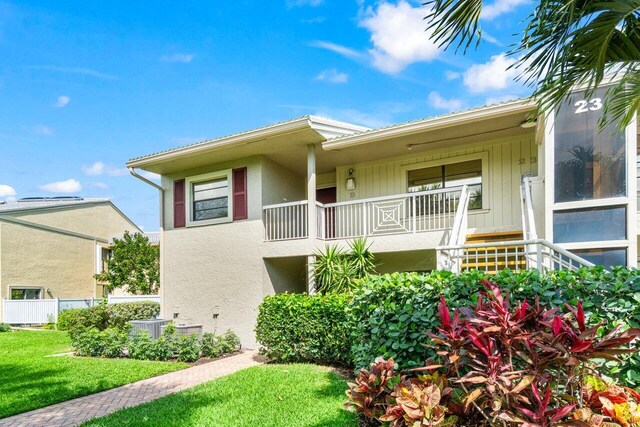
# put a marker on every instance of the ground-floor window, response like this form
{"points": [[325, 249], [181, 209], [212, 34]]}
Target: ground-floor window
{"points": [[26, 293], [609, 257]]}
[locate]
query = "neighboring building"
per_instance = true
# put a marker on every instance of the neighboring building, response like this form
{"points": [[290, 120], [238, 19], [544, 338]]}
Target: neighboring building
{"points": [[52, 247], [243, 215]]}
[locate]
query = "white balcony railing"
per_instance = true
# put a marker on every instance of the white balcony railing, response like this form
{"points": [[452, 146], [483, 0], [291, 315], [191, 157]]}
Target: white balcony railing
{"points": [[399, 214], [285, 221]]}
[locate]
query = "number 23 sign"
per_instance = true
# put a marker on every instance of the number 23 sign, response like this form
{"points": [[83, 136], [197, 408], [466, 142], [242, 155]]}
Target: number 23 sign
{"points": [[585, 106]]}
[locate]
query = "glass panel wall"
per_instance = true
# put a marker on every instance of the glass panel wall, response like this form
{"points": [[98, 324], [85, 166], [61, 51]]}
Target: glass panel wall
{"points": [[589, 162], [606, 257], [590, 225]]}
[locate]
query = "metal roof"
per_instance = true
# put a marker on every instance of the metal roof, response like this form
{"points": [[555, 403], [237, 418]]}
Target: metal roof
{"points": [[514, 101], [47, 203]]}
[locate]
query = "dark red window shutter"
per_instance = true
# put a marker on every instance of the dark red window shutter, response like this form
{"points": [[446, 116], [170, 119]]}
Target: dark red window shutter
{"points": [[179, 207], [240, 210]]}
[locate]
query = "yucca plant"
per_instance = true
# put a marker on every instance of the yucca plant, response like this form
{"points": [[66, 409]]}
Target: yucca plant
{"points": [[566, 43], [337, 270]]}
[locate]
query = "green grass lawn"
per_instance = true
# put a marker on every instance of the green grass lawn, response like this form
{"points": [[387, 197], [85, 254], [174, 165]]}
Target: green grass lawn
{"points": [[267, 395], [29, 380]]}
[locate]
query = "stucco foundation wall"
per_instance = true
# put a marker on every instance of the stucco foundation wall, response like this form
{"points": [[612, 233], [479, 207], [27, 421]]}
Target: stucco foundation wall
{"points": [[214, 266], [36, 258]]}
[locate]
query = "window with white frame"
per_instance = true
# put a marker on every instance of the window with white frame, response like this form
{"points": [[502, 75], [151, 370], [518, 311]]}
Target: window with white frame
{"points": [[209, 198], [448, 176], [26, 293]]}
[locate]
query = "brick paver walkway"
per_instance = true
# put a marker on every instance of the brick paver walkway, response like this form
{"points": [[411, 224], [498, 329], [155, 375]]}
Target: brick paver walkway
{"points": [[76, 411]]}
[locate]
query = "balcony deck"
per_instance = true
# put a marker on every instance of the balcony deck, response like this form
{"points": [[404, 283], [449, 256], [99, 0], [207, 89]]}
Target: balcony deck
{"points": [[407, 213]]}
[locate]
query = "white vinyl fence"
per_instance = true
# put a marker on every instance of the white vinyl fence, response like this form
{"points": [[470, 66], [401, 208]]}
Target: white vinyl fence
{"points": [[42, 311]]}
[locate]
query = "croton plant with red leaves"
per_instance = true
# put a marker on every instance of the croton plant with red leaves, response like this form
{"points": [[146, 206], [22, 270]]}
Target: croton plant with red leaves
{"points": [[511, 366]]}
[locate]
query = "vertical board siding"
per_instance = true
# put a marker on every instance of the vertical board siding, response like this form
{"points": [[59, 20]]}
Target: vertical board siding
{"points": [[384, 178]]}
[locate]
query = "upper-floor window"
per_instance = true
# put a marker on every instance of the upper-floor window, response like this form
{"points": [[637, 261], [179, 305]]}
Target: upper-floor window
{"points": [[209, 198], [450, 175]]}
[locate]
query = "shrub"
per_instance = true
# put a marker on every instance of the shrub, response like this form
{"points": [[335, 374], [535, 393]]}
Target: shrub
{"points": [[389, 314], [142, 347], [95, 343], [522, 365], [5, 327], [215, 346], [188, 348], [105, 316], [304, 328]]}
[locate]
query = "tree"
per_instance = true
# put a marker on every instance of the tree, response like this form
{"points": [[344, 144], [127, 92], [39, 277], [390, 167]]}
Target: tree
{"points": [[566, 43], [134, 265]]}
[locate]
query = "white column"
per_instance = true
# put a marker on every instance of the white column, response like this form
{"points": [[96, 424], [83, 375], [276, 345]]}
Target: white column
{"points": [[311, 281], [311, 192]]}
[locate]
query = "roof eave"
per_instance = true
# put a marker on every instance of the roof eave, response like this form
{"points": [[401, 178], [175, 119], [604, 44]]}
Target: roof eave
{"points": [[435, 123]]}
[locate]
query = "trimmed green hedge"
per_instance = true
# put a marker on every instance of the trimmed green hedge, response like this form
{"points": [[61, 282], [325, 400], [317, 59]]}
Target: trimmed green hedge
{"points": [[305, 328], [103, 316], [390, 314]]}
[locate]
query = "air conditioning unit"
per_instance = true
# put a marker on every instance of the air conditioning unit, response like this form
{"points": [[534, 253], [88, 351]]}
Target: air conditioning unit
{"points": [[153, 326], [185, 330]]}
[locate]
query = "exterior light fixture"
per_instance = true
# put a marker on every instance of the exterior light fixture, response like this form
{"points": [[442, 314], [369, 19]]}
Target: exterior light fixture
{"points": [[350, 184]]}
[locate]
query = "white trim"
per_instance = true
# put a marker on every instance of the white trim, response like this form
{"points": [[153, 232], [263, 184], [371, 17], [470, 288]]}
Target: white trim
{"points": [[483, 156], [632, 195], [591, 203], [604, 244], [189, 181]]}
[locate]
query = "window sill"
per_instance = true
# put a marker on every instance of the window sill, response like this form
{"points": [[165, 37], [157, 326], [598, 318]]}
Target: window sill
{"points": [[208, 222]]}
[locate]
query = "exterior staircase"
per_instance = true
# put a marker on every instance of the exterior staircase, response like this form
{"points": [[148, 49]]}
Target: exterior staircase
{"points": [[490, 258]]}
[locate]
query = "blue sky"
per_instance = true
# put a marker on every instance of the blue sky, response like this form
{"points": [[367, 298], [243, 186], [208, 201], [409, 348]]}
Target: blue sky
{"points": [[87, 85]]}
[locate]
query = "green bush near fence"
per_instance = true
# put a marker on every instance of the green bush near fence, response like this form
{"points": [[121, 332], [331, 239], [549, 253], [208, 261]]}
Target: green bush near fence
{"points": [[305, 328], [391, 314], [105, 316]]}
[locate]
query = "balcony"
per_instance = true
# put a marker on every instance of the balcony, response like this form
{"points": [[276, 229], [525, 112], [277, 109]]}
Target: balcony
{"points": [[398, 214]]}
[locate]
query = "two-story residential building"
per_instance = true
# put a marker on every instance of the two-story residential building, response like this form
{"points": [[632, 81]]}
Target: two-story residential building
{"points": [[51, 247], [491, 187]]}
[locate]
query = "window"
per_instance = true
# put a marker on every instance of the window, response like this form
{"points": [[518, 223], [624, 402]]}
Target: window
{"points": [[606, 257], [590, 225], [448, 176], [26, 293], [210, 199], [589, 163]]}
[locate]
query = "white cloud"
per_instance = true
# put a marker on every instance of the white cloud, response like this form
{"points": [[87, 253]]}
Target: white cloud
{"points": [[339, 49], [333, 76], [498, 7], [177, 57], [437, 101], [118, 172], [98, 185], [62, 101], [150, 175], [97, 168], [398, 35], [7, 190], [492, 75], [68, 186], [75, 70], [42, 130], [451, 75], [300, 3]]}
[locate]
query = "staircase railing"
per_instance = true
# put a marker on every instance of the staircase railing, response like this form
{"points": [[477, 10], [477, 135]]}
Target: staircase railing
{"points": [[529, 231], [458, 232], [539, 254]]}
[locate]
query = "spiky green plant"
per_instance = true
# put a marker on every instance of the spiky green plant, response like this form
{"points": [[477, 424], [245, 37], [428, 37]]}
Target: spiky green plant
{"points": [[566, 43], [337, 270]]}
